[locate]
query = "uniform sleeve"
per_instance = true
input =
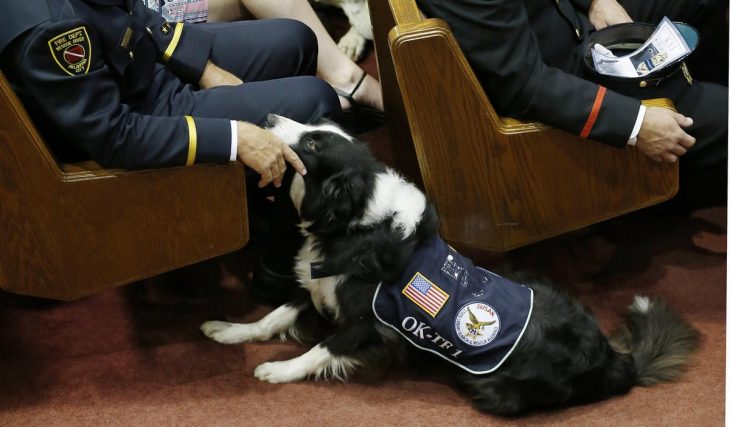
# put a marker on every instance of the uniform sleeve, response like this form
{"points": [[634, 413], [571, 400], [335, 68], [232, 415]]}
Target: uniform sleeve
{"points": [[503, 51], [582, 5], [62, 73], [184, 48]]}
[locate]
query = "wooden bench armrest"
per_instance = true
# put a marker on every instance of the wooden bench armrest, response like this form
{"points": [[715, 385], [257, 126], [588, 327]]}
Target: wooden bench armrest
{"points": [[498, 183], [406, 12], [72, 230]]}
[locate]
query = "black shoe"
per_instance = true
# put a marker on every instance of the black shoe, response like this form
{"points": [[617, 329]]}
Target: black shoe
{"points": [[359, 118], [267, 268], [271, 282], [279, 240]]}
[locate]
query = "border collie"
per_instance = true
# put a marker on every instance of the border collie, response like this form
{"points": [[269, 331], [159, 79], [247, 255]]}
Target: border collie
{"points": [[368, 301]]}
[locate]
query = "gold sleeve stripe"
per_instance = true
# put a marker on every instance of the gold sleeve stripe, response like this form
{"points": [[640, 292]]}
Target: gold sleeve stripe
{"points": [[173, 43], [192, 141]]}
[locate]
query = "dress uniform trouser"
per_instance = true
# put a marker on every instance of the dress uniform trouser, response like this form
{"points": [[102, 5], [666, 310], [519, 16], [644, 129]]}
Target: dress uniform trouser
{"points": [[276, 59]]}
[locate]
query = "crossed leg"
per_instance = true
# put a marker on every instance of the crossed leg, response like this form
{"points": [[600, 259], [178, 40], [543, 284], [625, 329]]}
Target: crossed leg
{"points": [[333, 66]]}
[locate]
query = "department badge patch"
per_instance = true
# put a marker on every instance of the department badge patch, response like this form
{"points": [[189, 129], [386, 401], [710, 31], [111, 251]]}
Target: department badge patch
{"points": [[477, 324], [72, 51]]}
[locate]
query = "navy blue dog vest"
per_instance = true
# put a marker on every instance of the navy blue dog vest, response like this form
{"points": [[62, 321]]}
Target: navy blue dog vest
{"points": [[444, 304]]}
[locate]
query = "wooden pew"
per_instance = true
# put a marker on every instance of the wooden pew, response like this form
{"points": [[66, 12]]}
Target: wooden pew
{"points": [[68, 231], [498, 183]]}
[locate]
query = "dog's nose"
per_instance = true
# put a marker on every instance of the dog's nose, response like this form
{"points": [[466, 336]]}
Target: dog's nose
{"points": [[271, 120]]}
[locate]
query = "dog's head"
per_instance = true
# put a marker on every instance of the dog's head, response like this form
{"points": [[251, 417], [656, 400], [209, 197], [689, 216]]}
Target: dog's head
{"points": [[340, 173]]}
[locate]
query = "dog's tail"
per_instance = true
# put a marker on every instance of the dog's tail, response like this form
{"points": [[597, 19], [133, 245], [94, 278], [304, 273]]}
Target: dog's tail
{"points": [[659, 340]]}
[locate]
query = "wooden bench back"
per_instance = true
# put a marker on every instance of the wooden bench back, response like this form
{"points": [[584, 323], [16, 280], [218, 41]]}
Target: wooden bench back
{"points": [[498, 183], [73, 230]]}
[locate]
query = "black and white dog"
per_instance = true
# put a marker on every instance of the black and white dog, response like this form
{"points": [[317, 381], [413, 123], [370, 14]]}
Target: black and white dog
{"points": [[363, 225]]}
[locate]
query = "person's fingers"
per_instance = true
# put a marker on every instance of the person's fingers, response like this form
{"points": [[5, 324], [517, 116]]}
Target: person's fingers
{"points": [[677, 149], [687, 141], [276, 172], [281, 166], [683, 120], [669, 157], [657, 159], [277, 180], [276, 176], [291, 157], [266, 178]]}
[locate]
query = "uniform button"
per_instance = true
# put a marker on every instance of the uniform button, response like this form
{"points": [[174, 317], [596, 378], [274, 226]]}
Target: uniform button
{"points": [[131, 55], [148, 30], [577, 33], [642, 83]]}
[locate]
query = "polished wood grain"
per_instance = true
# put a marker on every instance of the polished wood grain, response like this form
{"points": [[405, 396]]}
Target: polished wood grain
{"points": [[498, 183], [73, 230], [402, 146]]}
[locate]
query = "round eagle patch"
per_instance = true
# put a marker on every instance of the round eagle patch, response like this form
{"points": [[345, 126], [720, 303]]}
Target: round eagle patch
{"points": [[477, 324]]}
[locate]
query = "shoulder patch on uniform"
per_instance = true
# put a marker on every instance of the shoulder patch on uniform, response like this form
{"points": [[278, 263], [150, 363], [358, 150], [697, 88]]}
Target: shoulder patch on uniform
{"points": [[72, 51]]}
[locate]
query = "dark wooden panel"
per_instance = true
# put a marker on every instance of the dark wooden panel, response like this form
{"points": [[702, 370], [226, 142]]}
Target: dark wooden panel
{"points": [[74, 230], [398, 130]]}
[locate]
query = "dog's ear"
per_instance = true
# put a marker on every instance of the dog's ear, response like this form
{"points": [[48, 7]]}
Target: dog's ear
{"points": [[341, 200]]}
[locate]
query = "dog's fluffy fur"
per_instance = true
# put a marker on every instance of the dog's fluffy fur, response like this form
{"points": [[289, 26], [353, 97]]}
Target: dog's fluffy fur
{"points": [[352, 43], [363, 221]]}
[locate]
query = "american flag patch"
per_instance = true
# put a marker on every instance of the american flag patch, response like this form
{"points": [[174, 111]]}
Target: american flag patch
{"points": [[425, 294]]}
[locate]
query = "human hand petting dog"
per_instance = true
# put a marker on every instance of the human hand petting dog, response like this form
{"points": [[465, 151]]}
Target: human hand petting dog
{"points": [[603, 13], [661, 136], [265, 153], [214, 76]]}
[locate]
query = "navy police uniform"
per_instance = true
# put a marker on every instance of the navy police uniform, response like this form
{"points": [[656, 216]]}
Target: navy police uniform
{"points": [[113, 81], [527, 55]]}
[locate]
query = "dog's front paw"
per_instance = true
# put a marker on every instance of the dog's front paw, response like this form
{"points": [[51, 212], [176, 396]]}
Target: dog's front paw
{"points": [[278, 372], [352, 44], [227, 333]]}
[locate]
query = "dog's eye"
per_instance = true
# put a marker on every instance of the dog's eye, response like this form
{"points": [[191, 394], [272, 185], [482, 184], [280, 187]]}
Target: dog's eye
{"points": [[312, 145]]}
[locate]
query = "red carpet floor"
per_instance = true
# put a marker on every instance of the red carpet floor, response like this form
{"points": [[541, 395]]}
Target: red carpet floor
{"points": [[134, 356]]}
